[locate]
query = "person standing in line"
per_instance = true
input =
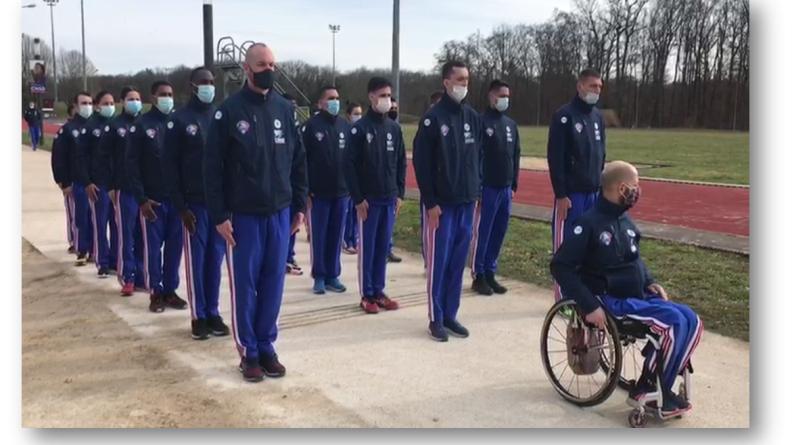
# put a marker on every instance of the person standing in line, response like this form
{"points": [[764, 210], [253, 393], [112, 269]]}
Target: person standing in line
{"points": [[354, 111], [74, 131], [501, 173], [375, 167], [161, 224], [324, 137], [447, 162], [204, 248], [255, 180], [576, 157], [61, 172]]}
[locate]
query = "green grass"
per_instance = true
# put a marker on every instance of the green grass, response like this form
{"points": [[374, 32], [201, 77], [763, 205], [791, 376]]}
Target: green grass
{"points": [[714, 284], [47, 141], [695, 155]]}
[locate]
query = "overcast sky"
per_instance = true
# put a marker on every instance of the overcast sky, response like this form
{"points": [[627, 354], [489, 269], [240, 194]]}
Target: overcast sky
{"points": [[128, 35]]}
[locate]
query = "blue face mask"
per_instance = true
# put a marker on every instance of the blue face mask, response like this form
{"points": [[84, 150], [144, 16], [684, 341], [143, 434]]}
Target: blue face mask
{"points": [[355, 117], [133, 107], [165, 104], [86, 111], [206, 93], [333, 106], [107, 111]]}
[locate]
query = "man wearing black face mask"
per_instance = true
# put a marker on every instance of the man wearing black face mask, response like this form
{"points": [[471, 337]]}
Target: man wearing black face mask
{"points": [[256, 188], [600, 267]]}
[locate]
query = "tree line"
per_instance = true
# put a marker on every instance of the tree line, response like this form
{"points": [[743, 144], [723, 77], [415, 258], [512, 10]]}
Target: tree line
{"points": [[665, 64]]}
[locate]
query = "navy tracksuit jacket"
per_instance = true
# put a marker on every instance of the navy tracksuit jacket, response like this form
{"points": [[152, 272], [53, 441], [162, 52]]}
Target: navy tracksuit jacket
{"points": [[33, 119], [575, 158], [182, 164], [325, 138], [600, 264], [95, 167], [375, 168], [447, 160], [147, 181], [130, 248], [254, 176], [501, 174], [64, 167]]}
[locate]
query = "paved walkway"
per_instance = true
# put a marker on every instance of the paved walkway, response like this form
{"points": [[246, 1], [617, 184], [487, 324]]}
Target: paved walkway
{"points": [[383, 369]]}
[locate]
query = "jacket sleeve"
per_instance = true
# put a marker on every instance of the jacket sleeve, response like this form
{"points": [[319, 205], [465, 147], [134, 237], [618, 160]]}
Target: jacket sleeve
{"points": [[215, 154], [602, 135], [299, 172], [565, 267], [60, 160], [556, 153], [302, 131], [517, 157], [82, 149], [132, 158], [171, 162], [351, 159], [424, 158], [481, 128]]}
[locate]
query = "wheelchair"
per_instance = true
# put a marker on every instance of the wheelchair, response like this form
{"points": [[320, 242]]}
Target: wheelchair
{"points": [[615, 356]]}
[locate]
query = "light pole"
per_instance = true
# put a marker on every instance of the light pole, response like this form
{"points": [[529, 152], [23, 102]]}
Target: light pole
{"points": [[51, 4], [395, 52], [208, 34], [334, 29], [85, 72]]}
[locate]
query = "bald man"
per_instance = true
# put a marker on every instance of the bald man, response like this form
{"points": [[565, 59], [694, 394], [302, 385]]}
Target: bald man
{"points": [[256, 188], [600, 267]]}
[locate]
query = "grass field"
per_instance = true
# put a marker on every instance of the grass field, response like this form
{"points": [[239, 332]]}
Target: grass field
{"points": [[47, 141], [714, 284], [710, 156]]}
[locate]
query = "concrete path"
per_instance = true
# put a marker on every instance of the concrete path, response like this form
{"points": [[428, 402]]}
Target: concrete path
{"points": [[383, 370]]}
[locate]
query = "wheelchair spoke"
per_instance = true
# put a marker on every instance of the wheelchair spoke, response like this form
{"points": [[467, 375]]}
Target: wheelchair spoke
{"points": [[563, 361], [558, 351]]}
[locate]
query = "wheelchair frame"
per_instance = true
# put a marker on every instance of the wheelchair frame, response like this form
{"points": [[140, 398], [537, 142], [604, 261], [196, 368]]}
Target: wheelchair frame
{"points": [[618, 331]]}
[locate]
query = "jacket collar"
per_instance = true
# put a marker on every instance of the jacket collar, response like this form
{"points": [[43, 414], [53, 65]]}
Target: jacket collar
{"points": [[609, 208], [327, 117], [196, 104], [376, 117], [581, 104], [450, 104], [255, 97], [493, 113]]}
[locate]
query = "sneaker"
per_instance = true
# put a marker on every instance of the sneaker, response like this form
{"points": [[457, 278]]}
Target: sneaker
{"points": [[393, 258], [272, 366], [496, 287], [369, 305], [103, 273], [456, 329], [217, 327], [200, 331], [437, 332], [680, 402], [128, 289], [112, 270], [350, 251], [82, 259], [174, 301], [480, 285], [157, 303], [319, 286], [334, 285], [386, 303], [251, 370], [293, 269], [72, 250]]}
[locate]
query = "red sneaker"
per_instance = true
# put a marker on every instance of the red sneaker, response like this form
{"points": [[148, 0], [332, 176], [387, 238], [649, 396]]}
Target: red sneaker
{"points": [[386, 303], [369, 305], [128, 289]]}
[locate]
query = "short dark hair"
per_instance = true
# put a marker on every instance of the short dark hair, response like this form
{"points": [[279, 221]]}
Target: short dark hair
{"points": [[160, 83], [126, 90], [76, 100], [351, 106], [325, 89], [587, 73], [198, 70], [377, 83], [100, 95], [435, 97], [449, 66], [497, 84]]}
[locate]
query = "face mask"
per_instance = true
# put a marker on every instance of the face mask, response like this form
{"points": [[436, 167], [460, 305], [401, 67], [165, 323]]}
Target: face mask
{"points": [[591, 98], [86, 111], [459, 92], [502, 104], [630, 197], [354, 118], [264, 79], [393, 114], [133, 107], [333, 106], [31, 106], [165, 104], [383, 105], [205, 93], [107, 111]]}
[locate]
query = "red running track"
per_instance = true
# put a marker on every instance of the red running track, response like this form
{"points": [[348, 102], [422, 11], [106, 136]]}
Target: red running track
{"points": [[701, 207]]}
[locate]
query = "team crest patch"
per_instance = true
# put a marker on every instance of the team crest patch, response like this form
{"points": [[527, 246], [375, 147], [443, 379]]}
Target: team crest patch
{"points": [[578, 230], [319, 136], [107, 128], [633, 249], [170, 125], [490, 132], [276, 123], [579, 127], [605, 238], [353, 131], [75, 133], [60, 131], [341, 135], [151, 133], [97, 132], [121, 132], [192, 130], [390, 137], [596, 126], [631, 233], [82, 131], [132, 129], [427, 122], [508, 129], [444, 129], [218, 115], [467, 127], [369, 137], [563, 119], [243, 126]]}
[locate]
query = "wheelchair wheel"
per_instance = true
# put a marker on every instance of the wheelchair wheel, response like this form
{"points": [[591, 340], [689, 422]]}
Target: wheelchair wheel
{"points": [[632, 361], [579, 388]]}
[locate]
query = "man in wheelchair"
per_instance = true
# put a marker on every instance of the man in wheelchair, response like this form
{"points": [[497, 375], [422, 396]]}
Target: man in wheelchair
{"points": [[601, 269]]}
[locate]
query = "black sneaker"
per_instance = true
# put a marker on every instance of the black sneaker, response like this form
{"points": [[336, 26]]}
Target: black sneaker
{"points": [[480, 285], [200, 331], [82, 259], [251, 370], [271, 366], [156, 303], [456, 329], [103, 273], [493, 283], [72, 249], [393, 258], [217, 327], [172, 300], [438, 332], [677, 400]]}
